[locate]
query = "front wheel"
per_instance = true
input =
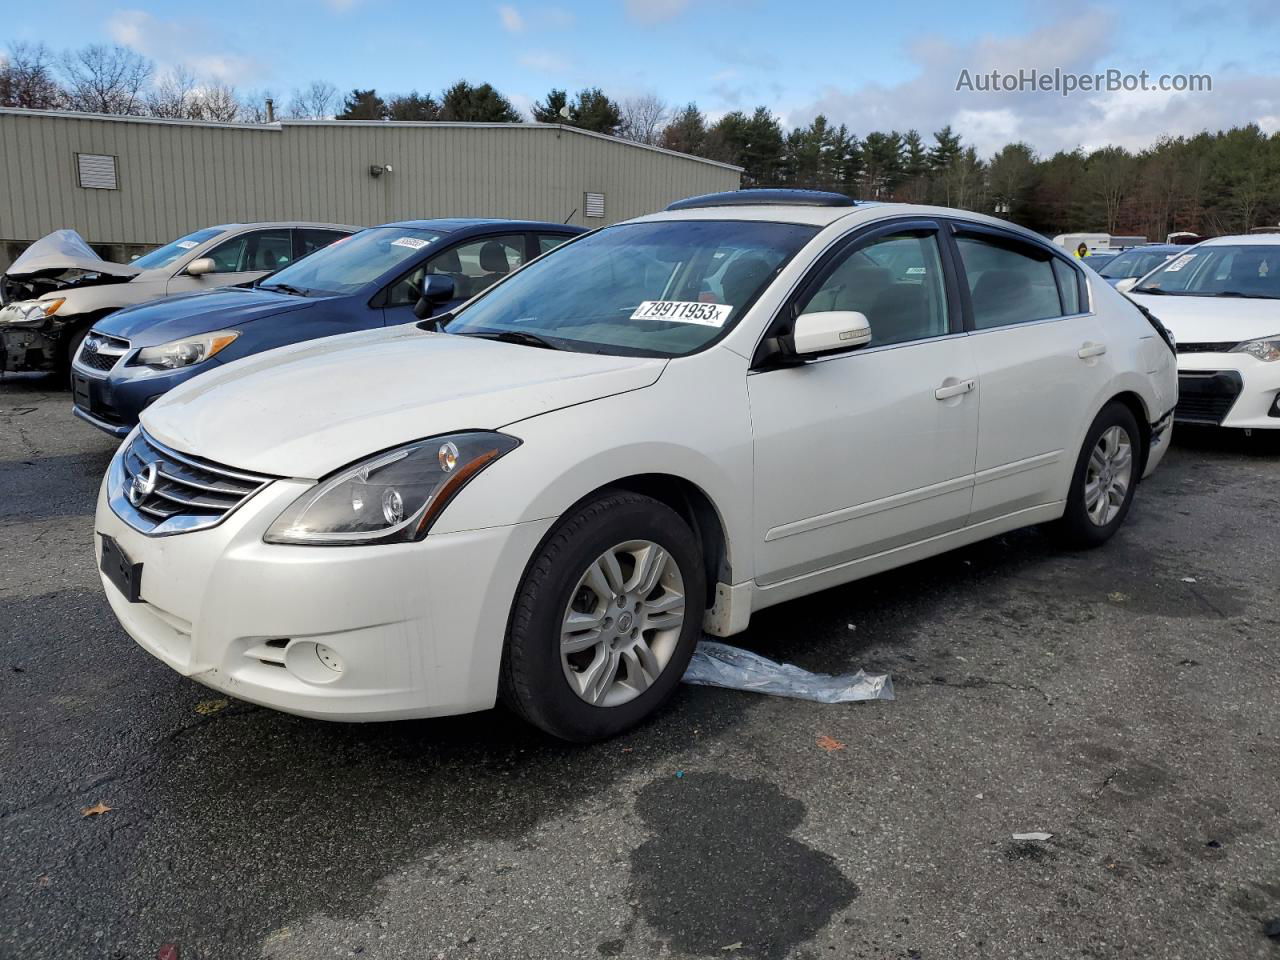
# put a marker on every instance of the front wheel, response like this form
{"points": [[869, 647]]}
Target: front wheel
{"points": [[1104, 480], [606, 619]]}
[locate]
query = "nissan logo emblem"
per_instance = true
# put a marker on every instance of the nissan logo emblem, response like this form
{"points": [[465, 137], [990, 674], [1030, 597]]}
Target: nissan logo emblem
{"points": [[144, 483]]}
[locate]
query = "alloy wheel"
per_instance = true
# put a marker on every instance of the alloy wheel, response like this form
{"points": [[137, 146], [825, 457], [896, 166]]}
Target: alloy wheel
{"points": [[622, 623], [1109, 475]]}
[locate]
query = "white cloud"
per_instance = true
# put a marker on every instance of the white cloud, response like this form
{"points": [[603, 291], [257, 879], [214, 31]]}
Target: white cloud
{"points": [[193, 44], [1046, 120], [510, 17], [655, 11]]}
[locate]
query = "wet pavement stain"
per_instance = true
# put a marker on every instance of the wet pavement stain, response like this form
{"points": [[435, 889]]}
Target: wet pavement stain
{"points": [[722, 870]]}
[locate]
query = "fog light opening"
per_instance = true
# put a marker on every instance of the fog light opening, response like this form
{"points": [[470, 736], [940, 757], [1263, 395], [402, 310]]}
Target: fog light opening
{"points": [[314, 662]]}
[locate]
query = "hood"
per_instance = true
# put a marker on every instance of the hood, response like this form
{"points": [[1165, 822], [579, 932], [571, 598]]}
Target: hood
{"points": [[61, 259], [307, 409], [185, 315], [1213, 319]]}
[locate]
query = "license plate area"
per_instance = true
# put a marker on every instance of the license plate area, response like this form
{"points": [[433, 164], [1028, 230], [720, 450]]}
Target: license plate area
{"points": [[120, 570], [80, 391]]}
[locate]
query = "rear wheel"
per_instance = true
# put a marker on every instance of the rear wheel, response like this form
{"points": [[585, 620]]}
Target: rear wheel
{"points": [[1105, 477], [606, 619]]}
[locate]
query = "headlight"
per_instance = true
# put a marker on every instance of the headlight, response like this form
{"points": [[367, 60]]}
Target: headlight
{"points": [[1266, 349], [392, 497], [184, 353], [33, 311]]}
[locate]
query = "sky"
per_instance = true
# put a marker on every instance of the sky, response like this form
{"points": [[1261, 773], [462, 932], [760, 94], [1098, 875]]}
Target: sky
{"points": [[873, 66]]}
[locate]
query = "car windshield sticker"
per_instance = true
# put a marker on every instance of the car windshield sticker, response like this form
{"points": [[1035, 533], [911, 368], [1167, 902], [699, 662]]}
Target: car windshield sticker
{"points": [[1181, 262], [915, 271], [187, 244], [684, 311], [413, 243]]}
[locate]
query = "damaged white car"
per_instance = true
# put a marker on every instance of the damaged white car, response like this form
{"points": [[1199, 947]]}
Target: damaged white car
{"points": [[54, 292]]}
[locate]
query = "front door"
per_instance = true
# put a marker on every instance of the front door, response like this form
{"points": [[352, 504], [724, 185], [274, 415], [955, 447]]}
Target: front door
{"points": [[863, 452], [473, 266]]}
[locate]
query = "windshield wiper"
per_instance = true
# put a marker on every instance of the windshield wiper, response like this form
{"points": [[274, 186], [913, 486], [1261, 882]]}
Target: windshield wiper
{"points": [[515, 336], [1246, 296], [284, 287], [1154, 291]]}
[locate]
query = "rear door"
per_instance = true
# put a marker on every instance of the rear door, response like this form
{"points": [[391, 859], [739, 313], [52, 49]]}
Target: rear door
{"points": [[1039, 355], [859, 453]]}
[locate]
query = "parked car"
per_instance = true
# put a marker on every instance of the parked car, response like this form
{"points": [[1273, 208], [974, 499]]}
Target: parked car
{"points": [[58, 287], [372, 279], [1136, 262], [659, 428], [1219, 300]]}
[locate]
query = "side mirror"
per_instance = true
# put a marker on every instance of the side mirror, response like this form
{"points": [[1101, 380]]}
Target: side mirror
{"points": [[828, 332], [1127, 284], [436, 289], [201, 266]]}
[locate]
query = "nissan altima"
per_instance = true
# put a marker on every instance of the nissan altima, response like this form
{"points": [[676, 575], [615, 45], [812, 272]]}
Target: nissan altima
{"points": [[655, 430]]}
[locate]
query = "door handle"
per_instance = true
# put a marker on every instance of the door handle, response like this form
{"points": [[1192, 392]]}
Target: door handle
{"points": [[1091, 349], [947, 391]]}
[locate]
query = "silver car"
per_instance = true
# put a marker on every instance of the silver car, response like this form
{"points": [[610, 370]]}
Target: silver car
{"points": [[55, 291]]}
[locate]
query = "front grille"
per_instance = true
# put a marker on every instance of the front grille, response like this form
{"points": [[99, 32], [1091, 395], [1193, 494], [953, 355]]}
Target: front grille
{"points": [[174, 492], [1220, 347], [101, 352], [1207, 396]]}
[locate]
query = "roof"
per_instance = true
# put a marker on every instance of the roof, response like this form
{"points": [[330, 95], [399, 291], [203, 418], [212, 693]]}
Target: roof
{"points": [[1241, 240], [279, 126], [454, 224], [260, 224]]}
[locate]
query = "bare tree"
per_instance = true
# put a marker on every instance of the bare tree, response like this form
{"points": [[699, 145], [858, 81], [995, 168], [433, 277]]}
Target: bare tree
{"points": [[27, 80], [318, 101], [103, 79], [174, 95], [217, 101], [643, 118]]}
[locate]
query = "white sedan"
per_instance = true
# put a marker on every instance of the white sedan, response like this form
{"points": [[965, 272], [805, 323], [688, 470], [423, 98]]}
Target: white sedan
{"points": [[1219, 299], [653, 431]]}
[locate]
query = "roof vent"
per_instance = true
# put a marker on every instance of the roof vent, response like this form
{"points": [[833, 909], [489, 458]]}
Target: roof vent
{"points": [[766, 197]]}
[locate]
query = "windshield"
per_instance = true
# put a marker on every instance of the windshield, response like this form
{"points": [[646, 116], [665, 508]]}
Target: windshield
{"points": [[349, 263], [650, 289], [1134, 263], [1244, 270], [163, 256]]}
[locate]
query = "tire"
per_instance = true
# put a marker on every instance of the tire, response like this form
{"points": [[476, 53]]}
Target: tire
{"points": [[1087, 522], [562, 689], [73, 347]]}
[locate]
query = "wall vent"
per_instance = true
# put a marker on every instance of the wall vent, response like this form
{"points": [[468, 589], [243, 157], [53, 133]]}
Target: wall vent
{"points": [[97, 171], [594, 205]]}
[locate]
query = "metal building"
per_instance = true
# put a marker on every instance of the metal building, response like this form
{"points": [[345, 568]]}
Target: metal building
{"points": [[128, 183]]}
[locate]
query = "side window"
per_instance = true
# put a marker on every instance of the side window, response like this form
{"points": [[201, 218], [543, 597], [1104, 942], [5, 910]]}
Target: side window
{"points": [[255, 251], [1008, 285], [1068, 286], [309, 240], [895, 280], [549, 241]]}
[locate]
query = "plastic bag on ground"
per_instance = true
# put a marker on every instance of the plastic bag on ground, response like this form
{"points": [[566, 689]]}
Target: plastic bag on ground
{"points": [[720, 665]]}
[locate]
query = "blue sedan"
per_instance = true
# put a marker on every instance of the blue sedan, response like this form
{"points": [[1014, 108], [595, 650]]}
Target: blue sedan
{"points": [[374, 278]]}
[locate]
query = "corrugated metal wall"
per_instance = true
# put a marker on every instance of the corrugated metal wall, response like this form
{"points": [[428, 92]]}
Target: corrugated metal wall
{"points": [[177, 176]]}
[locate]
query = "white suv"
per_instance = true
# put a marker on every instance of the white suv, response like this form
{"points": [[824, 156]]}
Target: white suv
{"points": [[654, 430]]}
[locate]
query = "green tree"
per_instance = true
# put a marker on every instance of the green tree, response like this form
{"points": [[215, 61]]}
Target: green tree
{"points": [[590, 109], [686, 133], [363, 105], [1011, 176], [882, 166], [550, 109], [915, 168], [413, 106], [468, 103]]}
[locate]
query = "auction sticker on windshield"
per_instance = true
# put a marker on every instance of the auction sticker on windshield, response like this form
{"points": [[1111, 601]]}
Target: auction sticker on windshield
{"points": [[1181, 262], [413, 243], [684, 311]]}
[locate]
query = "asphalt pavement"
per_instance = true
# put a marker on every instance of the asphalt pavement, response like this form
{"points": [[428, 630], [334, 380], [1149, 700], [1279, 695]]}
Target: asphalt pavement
{"points": [[1124, 700]]}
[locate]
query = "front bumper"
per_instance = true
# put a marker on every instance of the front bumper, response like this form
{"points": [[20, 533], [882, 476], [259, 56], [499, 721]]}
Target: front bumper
{"points": [[1229, 390], [27, 346], [415, 630], [113, 401]]}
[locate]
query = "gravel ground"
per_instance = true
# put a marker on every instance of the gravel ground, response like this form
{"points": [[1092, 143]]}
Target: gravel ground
{"points": [[1126, 700]]}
